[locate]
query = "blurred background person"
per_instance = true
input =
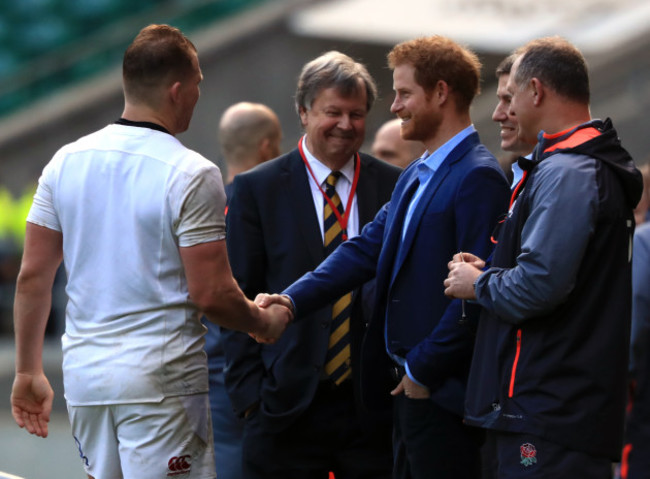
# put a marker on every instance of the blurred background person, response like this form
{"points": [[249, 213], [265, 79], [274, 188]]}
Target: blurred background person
{"points": [[642, 210], [635, 463], [249, 134], [13, 212], [389, 145]]}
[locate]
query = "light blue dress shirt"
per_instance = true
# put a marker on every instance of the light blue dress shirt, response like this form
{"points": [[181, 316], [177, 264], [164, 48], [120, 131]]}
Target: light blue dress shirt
{"points": [[427, 167], [517, 174]]}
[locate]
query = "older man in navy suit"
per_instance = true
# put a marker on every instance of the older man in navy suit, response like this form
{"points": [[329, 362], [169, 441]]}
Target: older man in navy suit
{"points": [[447, 201], [299, 396]]}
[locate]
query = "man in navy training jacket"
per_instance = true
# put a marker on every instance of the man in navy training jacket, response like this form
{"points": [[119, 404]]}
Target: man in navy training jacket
{"points": [[548, 377]]}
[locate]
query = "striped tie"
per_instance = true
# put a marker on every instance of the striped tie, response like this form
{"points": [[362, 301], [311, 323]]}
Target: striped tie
{"points": [[337, 362]]}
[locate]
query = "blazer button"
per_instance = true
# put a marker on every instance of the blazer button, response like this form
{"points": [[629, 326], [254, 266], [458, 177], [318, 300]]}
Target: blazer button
{"points": [[325, 324]]}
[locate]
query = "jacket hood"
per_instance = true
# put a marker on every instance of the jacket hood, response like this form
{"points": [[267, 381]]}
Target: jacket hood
{"points": [[607, 148]]}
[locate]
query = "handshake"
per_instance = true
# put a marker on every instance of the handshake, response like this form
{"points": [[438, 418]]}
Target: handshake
{"points": [[276, 312]]}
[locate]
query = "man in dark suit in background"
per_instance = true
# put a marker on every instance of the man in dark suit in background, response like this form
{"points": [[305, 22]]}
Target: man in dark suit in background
{"points": [[299, 396], [445, 202]]}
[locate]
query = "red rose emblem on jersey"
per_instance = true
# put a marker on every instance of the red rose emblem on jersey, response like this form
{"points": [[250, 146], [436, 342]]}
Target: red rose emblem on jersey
{"points": [[528, 454]]}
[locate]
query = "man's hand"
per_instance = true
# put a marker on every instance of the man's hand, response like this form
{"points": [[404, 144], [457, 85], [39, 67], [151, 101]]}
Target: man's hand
{"points": [[460, 281], [31, 402], [264, 300], [411, 390], [468, 258], [276, 318]]}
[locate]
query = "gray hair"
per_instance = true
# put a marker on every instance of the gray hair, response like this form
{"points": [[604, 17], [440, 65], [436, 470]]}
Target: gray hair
{"points": [[333, 70], [556, 63]]}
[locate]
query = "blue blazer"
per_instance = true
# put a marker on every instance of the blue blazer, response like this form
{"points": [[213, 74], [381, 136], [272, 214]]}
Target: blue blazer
{"points": [[273, 238], [412, 317]]}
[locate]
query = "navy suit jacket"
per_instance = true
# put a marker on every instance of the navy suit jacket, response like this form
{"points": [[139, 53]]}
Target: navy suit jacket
{"points": [[413, 318], [273, 238]]}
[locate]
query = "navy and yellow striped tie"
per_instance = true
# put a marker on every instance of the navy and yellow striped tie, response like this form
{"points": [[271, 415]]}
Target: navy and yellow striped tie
{"points": [[337, 362]]}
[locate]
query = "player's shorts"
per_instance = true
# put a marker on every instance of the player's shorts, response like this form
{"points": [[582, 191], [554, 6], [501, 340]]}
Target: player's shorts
{"points": [[171, 439]]}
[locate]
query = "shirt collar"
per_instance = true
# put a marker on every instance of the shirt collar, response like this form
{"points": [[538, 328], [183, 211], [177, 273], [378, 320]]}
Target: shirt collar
{"points": [[321, 171], [430, 162]]}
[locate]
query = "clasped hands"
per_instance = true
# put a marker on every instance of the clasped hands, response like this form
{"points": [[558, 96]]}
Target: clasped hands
{"points": [[464, 269], [276, 312]]}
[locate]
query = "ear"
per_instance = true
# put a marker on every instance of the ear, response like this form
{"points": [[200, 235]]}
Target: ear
{"points": [[263, 149], [303, 115], [441, 92], [175, 91], [537, 90]]}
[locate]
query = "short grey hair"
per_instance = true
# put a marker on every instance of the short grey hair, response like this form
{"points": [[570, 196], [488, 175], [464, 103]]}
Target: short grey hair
{"points": [[556, 63], [333, 70]]}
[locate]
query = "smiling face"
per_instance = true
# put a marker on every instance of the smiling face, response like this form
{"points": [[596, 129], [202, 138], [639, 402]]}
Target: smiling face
{"points": [[522, 107], [509, 127], [421, 116], [335, 125]]}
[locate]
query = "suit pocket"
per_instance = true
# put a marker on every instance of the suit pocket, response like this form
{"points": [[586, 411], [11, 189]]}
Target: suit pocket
{"points": [[436, 215]]}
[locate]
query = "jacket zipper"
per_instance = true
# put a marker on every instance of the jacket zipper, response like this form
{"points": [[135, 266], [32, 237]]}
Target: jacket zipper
{"points": [[514, 364]]}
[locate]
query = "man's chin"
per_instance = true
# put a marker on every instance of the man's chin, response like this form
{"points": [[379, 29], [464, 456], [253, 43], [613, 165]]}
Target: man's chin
{"points": [[408, 135], [342, 151], [338, 142]]}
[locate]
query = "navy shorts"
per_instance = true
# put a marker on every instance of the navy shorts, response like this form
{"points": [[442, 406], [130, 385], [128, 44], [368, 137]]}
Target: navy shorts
{"points": [[508, 455]]}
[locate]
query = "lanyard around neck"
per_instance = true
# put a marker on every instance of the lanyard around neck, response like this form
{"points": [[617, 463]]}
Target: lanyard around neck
{"points": [[342, 220]]}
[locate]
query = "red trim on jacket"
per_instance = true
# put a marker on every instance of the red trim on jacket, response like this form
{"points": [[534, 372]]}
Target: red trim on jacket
{"points": [[578, 138], [514, 365]]}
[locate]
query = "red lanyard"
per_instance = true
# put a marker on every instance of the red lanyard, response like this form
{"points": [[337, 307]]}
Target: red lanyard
{"points": [[342, 220]]}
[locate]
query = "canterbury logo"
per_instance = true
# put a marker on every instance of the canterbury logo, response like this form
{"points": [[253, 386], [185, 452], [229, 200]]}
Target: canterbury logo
{"points": [[179, 465]]}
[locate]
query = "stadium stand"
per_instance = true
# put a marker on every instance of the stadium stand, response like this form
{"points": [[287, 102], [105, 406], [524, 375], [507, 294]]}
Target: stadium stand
{"points": [[49, 44]]}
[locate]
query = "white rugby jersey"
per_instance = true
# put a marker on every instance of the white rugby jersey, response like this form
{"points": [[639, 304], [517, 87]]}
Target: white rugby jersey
{"points": [[125, 198]]}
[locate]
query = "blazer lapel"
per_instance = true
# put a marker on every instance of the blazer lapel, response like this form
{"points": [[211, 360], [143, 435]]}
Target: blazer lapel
{"points": [[304, 218], [394, 226], [428, 196], [367, 196]]}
